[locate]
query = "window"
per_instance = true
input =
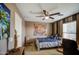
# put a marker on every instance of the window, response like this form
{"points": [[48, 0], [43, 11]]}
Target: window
{"points": [[69, 30]]}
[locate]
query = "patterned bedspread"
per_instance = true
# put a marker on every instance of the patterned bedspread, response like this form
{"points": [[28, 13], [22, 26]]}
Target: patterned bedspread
{"points": [[49, 42]]}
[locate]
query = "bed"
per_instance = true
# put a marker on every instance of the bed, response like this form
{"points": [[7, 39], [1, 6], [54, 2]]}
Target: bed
{"points": [[48, 42]]}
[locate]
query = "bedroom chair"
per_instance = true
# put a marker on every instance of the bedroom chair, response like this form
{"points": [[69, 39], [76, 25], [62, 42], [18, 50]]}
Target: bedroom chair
{"points": [[70, 47]]}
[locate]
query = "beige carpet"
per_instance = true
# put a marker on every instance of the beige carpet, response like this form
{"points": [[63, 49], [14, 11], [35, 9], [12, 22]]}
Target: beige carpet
{"points": [[31, 50]]}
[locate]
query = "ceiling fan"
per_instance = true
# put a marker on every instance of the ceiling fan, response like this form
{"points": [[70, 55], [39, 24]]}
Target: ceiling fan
{"points": [[46, 15]]}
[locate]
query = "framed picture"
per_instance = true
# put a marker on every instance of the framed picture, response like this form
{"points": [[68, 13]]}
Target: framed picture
{"points": [[4, 21], [39, 29]]}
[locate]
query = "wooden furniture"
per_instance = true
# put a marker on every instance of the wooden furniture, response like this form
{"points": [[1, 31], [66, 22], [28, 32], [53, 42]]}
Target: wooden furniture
{"points": [[17, 51], [60, 49], [70, 47]]}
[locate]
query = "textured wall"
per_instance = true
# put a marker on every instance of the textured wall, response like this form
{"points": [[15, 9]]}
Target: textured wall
{"points": [[30, 29]]}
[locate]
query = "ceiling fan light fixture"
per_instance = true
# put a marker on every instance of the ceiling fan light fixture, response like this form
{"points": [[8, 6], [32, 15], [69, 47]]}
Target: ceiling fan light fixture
{"points": [[46, 17]]}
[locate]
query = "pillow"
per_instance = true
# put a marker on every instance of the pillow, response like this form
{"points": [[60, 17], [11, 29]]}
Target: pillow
{"points": [[50, 37]]}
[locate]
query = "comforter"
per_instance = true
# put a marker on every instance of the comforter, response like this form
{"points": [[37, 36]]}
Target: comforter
{"points": [[48, 42]]}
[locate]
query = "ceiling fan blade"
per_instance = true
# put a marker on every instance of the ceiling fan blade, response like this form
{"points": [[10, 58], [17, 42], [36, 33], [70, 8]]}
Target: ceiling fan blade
{"points": [[54, 14], [51, 17], [60, 14]]}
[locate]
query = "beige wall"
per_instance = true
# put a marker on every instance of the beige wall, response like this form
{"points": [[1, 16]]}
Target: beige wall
{"points": [[29, 28], [14, 9]]}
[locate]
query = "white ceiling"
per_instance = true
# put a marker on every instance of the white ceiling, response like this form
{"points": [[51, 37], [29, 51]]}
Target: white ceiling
{"points": [[66, 9]]}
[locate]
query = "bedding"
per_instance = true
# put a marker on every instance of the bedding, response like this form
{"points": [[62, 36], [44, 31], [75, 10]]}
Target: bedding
{"points": [[47, 42], [48, 39]]}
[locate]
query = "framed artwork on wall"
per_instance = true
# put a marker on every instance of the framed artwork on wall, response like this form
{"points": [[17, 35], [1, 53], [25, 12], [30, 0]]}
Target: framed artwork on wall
{"points": [[4, 22], [39, 30]]}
